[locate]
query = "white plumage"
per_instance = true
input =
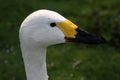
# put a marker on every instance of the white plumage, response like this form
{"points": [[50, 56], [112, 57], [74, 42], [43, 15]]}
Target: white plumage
{"points": [[35, 35]]}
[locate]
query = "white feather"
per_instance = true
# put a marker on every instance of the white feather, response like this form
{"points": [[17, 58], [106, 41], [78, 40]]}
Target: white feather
{"points": [[35, 35]]}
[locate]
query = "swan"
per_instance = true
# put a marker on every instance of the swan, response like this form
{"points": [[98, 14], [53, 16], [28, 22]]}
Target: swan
{"points": [[41, 29]]}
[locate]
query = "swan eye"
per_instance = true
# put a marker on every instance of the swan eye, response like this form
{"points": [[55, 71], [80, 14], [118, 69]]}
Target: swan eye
{"points": [[52, 24]]}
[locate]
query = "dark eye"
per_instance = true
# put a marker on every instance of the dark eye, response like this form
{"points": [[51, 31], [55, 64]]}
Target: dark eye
{"points": [[52, 24]]}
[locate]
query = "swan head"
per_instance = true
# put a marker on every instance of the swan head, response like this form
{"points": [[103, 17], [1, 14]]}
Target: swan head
{"points": [[45, 27]]}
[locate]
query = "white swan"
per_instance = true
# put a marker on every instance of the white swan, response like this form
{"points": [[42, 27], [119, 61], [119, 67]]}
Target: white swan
{"points": [[44, 28]]}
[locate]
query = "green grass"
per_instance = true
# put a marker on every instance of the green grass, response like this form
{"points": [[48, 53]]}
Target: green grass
{"points": [[81, 62], [66, 61]]}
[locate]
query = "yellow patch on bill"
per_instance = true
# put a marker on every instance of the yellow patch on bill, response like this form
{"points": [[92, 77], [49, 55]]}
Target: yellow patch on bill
{"points": [[68, 28]]}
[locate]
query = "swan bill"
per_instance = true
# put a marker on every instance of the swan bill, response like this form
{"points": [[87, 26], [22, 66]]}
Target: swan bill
{"points": [[74, 34]]}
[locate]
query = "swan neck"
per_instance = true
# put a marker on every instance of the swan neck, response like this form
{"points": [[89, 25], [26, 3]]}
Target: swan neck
{"points": [[35, 63]]}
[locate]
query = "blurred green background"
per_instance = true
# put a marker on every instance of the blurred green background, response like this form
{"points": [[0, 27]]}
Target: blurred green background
{"points": [[65, 61]]}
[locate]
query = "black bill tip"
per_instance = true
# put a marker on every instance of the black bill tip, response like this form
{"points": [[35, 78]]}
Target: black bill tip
{"points": [[86, 38]]}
